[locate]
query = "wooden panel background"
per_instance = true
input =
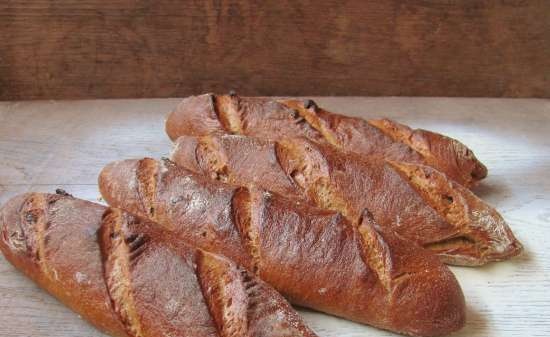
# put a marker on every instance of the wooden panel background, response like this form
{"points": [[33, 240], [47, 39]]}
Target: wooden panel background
{"points": [[145, 48]]}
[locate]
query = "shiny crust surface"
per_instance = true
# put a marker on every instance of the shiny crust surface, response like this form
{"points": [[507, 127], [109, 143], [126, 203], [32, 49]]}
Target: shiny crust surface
{"points": [[416, 201], [305, 252], [276, 119]]}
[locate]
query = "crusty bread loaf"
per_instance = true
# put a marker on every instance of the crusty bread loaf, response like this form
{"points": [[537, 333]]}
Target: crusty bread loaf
{"points": [[276, 119], [52, 239], [416, 201], [315, 257], [138, 281]]}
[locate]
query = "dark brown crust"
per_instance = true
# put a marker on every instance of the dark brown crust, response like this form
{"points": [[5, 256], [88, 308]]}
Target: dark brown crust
{"points": [[441, 152], [413, 200], [74, 273], [305, 252], [482, 234], [142, 282], [185, 291], [270, 119]]}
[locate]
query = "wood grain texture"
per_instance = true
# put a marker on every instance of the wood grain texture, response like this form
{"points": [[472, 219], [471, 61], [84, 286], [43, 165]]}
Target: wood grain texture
{"points": [[50, 144], [144, 48]]}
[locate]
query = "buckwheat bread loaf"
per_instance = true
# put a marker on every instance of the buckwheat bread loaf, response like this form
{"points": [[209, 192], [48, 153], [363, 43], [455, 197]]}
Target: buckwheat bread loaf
{"points": [[276, 119], [418, 202], [314, 257], [126, 276]]}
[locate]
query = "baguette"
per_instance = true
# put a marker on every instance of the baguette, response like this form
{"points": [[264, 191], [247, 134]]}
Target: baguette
{"points": [[130, 279], [276, 119], [314, 257], [416, 201]]}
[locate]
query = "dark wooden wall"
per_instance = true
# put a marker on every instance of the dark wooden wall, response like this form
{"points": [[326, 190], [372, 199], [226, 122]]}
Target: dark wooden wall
{"points": [[93, 48]]}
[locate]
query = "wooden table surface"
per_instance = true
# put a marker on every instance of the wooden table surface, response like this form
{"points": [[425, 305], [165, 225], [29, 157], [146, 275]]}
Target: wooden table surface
{"points": [[50, 144]]}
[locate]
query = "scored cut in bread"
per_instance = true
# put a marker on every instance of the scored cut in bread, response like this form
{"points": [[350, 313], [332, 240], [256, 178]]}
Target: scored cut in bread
{"points": [[130, 278], [416, 201], [275, 119], [315, 257]]}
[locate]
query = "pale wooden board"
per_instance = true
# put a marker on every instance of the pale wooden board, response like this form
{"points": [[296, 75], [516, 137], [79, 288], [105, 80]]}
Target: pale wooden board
{"points": [[46, 144]]}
